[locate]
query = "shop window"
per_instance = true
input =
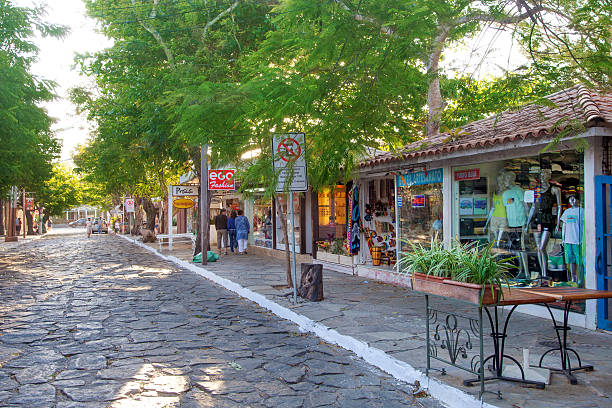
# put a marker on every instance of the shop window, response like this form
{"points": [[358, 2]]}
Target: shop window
{"points": [[531, 211], [420, 208], [262, 222], [378, 221], [332, 213], [280, 241]]}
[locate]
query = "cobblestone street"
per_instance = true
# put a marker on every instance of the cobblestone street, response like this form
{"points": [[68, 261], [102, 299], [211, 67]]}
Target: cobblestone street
{"points": [[99, 322]]}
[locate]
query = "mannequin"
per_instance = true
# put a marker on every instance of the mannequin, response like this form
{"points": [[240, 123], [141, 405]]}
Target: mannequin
{"points": [[549, 196], [573, 222], [497, 219], [513, 197]]}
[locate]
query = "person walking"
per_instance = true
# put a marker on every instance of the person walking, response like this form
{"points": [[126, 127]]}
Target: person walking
{"points": [[221, 227], [242, 231], [88, 226], [100, 225], [231, 228], [18, 225]]}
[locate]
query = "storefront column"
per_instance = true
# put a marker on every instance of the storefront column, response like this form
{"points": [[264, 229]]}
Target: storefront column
{"points": [[592, 167], [447, 206]]}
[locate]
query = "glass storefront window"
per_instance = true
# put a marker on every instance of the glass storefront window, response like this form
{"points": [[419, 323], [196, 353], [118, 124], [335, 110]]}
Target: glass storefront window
{"points": [[332, 213], [378, 221], [280, 242], [420, 208], [531, 209], [262, 222]]}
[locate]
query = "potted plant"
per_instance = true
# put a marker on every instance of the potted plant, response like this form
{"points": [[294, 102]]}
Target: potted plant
{"points": [[324, 254], [338, 247], [466, 271]]}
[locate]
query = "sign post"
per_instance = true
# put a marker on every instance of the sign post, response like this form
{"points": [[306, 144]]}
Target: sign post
{"points": [[129, 208], [289, 152]]}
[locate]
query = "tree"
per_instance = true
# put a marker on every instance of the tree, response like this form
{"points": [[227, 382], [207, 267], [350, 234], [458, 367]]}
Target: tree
{"points": [[62, 191], [28, 145]]}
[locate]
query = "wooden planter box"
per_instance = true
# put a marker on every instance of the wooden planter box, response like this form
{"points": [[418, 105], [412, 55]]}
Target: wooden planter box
{"points": [[445, 287]]}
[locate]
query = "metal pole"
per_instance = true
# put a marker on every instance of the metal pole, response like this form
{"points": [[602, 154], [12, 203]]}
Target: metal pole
{"points": [[23, 211], [123, 215], [293, 249], [204, 202]]}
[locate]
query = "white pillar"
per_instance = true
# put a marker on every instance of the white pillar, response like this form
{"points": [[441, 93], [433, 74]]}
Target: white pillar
{"points": [[170, 217]]}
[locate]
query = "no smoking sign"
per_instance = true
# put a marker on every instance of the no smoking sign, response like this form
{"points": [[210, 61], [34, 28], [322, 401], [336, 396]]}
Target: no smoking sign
{"points": [[289, 162], [289, 150]]}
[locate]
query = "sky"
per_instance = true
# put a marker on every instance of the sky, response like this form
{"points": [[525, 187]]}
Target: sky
{"points": [[56, 62]]}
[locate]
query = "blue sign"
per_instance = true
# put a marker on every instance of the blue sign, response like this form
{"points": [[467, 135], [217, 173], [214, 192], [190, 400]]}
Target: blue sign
{"points": [[419, 178], [400, 201]]}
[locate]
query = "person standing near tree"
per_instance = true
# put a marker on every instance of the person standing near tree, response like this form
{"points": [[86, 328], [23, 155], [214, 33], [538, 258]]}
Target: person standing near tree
{"points": [[18, 225], [221, 227], [242, 232]]}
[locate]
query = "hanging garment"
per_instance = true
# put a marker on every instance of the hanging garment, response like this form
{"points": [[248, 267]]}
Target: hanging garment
{"points": [[355, 229]]}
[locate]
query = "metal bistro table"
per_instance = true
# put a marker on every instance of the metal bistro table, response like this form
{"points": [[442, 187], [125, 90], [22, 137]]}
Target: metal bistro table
{"points": [[452, 342]]}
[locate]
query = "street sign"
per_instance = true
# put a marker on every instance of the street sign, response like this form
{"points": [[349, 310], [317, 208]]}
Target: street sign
{"points": [[29, 204], [290, 160], [129, 205], [183, 203], [221, 179], [184, 191]]}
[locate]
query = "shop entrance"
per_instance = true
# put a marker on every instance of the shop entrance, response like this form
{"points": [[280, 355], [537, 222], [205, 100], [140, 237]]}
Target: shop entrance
{"points": [[603, 215]]}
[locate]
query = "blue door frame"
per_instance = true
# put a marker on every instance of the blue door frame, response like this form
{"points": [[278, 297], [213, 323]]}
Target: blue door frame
{"points": [[603, 264]]}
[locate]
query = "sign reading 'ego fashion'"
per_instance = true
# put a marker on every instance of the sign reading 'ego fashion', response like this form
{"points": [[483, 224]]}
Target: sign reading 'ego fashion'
{"points": [[221, 179]]}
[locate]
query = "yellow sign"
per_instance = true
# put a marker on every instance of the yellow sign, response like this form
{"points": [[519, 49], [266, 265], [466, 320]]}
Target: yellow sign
{"points": [[183, 203]]}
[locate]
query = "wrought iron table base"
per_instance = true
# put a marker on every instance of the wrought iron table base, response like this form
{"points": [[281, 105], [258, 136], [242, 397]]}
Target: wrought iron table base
{"points": [[498, 356], [563, 349]]}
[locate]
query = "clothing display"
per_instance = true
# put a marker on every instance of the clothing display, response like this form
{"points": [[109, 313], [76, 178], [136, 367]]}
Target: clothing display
{"points": [[573, 222], [515, 209], [354, 229], [573, 254], [499, 210]]}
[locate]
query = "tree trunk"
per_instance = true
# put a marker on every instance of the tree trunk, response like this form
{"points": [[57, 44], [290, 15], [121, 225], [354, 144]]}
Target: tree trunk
{"points": [[151, 211], [282, 214], [29, 222], [1, 216], [137, 216], [434, 95]]}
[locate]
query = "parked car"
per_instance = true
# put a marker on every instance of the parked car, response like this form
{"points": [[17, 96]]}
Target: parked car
{"points": [[81, 222], [104, 228]]}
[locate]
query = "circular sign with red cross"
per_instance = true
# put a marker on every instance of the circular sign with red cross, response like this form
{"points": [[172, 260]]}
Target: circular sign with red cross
{"points": [[289, 149]]}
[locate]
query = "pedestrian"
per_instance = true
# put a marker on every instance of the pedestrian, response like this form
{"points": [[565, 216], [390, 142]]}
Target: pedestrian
{"points": [[49, 224], [156, 229], [99, 225], [242, 231], [221, 227], [231, 228], [18, 225], [88, 226], [116, 227]]}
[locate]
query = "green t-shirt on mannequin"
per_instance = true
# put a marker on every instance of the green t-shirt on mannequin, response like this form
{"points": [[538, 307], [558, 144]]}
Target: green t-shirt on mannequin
{"points": [[515, 209]]}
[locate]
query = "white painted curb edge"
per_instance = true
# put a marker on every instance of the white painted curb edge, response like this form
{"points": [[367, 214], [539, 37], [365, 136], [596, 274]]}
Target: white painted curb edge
{"points": [[400, 370]]}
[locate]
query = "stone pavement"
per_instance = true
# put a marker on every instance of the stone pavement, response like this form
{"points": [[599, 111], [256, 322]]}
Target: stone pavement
{"points": [[392, 319], [103, 323]]}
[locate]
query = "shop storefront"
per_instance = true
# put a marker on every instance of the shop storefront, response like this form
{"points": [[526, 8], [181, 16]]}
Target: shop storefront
{"points": [[511, 182], [263, 233]]}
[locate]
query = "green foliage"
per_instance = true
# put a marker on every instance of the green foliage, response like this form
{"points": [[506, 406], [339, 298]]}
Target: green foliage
{"points": [[61, 191], [28, 145], [434, 260]]}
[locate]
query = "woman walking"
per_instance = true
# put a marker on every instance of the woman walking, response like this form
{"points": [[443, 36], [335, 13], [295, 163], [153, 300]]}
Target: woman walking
{"points": [[242, 231], [231, 228], [89, 227]]}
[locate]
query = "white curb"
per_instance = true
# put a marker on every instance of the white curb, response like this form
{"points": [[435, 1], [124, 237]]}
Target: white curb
{"points": [[450, 396]]}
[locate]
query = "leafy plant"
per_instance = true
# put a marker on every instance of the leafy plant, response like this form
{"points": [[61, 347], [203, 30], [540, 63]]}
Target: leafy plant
{"points": [[480, 266], [337, 247], [435, 260]]}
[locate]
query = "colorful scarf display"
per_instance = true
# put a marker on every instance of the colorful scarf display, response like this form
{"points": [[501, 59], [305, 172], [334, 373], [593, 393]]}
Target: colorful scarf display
{"points": [[353, 238]]}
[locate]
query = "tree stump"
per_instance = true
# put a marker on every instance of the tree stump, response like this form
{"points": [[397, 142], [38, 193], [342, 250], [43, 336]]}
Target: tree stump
{"points": [[311, 282], [148, 236]]}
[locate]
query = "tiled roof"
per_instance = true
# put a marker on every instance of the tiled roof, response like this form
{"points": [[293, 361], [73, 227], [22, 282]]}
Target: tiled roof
{"points": [[530, 121]]}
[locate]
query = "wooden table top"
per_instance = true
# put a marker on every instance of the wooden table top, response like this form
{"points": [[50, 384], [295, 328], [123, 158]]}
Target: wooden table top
{"points": [[520, 296], [569, 293]]}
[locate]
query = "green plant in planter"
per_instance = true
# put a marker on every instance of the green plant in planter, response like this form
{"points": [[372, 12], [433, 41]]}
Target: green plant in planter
{"points": [[337, 247], [434, 260], [477, 265]]}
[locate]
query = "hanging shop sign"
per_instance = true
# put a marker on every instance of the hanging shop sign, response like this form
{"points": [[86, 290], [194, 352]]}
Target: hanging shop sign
{"points": [[129, 205], [290, 162], [29, 204], [182, 191], [469, 174], [183, 203], [221, 179], [419, 178]]}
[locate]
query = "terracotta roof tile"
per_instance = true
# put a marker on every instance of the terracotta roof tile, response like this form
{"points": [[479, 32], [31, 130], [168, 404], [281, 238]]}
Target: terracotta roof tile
{"points": [[530, 121]]}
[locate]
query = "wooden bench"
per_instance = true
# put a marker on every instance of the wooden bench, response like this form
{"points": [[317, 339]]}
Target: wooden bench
{"points": [[178, 237]]}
